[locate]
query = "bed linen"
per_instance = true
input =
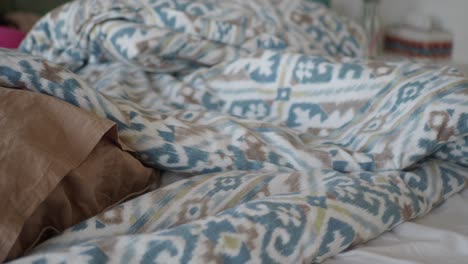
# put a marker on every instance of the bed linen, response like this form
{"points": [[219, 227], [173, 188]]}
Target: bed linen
{"points": [[295, 148], [24, 187], [59, 166], [440, 237]]}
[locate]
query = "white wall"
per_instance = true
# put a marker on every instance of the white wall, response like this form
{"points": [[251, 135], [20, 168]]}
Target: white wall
{"points": [[452, 14]]}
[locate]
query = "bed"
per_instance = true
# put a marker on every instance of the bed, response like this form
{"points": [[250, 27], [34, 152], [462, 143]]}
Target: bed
{"points": [[439, 237], [276, 139]]}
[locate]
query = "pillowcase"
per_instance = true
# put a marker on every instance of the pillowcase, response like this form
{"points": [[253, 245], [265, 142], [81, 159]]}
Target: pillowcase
{"points": [[60, 166]]}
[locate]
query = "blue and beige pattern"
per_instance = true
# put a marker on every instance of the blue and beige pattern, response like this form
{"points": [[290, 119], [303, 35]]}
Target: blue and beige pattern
{"points": [[295, 146]]}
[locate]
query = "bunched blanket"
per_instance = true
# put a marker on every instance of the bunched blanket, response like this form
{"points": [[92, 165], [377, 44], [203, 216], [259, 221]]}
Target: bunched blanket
{"points": [[294, 145]]}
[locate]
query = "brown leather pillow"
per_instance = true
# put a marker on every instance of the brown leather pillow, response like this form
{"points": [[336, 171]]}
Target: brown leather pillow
{"points": [[59, 166]]}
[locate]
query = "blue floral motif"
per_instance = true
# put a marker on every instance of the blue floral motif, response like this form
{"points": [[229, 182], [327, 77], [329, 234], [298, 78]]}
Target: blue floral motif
{"points": [[310, 110], [266, 71], [254, 109], [313, 70], [336, 228], [227, 183], [283, 143], [408, 92]]}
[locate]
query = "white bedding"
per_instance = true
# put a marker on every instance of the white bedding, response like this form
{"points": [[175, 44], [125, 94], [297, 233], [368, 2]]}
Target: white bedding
{"points": [[301, 147], [439, 237]]}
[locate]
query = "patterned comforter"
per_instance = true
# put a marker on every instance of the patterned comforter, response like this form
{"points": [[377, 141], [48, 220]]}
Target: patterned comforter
{"points": [[295, 147]]}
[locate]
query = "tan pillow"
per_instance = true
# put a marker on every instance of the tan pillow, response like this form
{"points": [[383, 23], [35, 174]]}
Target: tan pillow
{"points": [[59, 166]]}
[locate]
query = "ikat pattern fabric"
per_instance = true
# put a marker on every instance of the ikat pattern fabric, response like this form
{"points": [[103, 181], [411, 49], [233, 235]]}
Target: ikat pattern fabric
{"points": [[294, 145]]}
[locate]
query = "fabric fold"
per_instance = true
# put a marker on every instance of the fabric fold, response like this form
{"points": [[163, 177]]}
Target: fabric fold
{"points": [[295, 150], [60, 165]]}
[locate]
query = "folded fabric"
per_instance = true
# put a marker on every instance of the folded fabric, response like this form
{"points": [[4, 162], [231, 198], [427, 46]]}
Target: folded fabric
{"points": [[292, 157], [167, 36], [60, 165]]}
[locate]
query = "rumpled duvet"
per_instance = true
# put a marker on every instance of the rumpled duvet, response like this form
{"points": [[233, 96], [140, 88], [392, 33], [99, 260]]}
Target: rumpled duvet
{"points": [[294, 145]]}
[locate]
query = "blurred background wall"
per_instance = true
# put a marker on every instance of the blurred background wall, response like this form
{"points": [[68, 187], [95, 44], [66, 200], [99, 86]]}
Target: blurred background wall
{"points": [[36, 6], [451, 14]]}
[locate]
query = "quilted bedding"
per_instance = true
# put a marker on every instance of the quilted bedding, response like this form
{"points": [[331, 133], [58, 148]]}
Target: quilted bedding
{"points": [[295, 147]]}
